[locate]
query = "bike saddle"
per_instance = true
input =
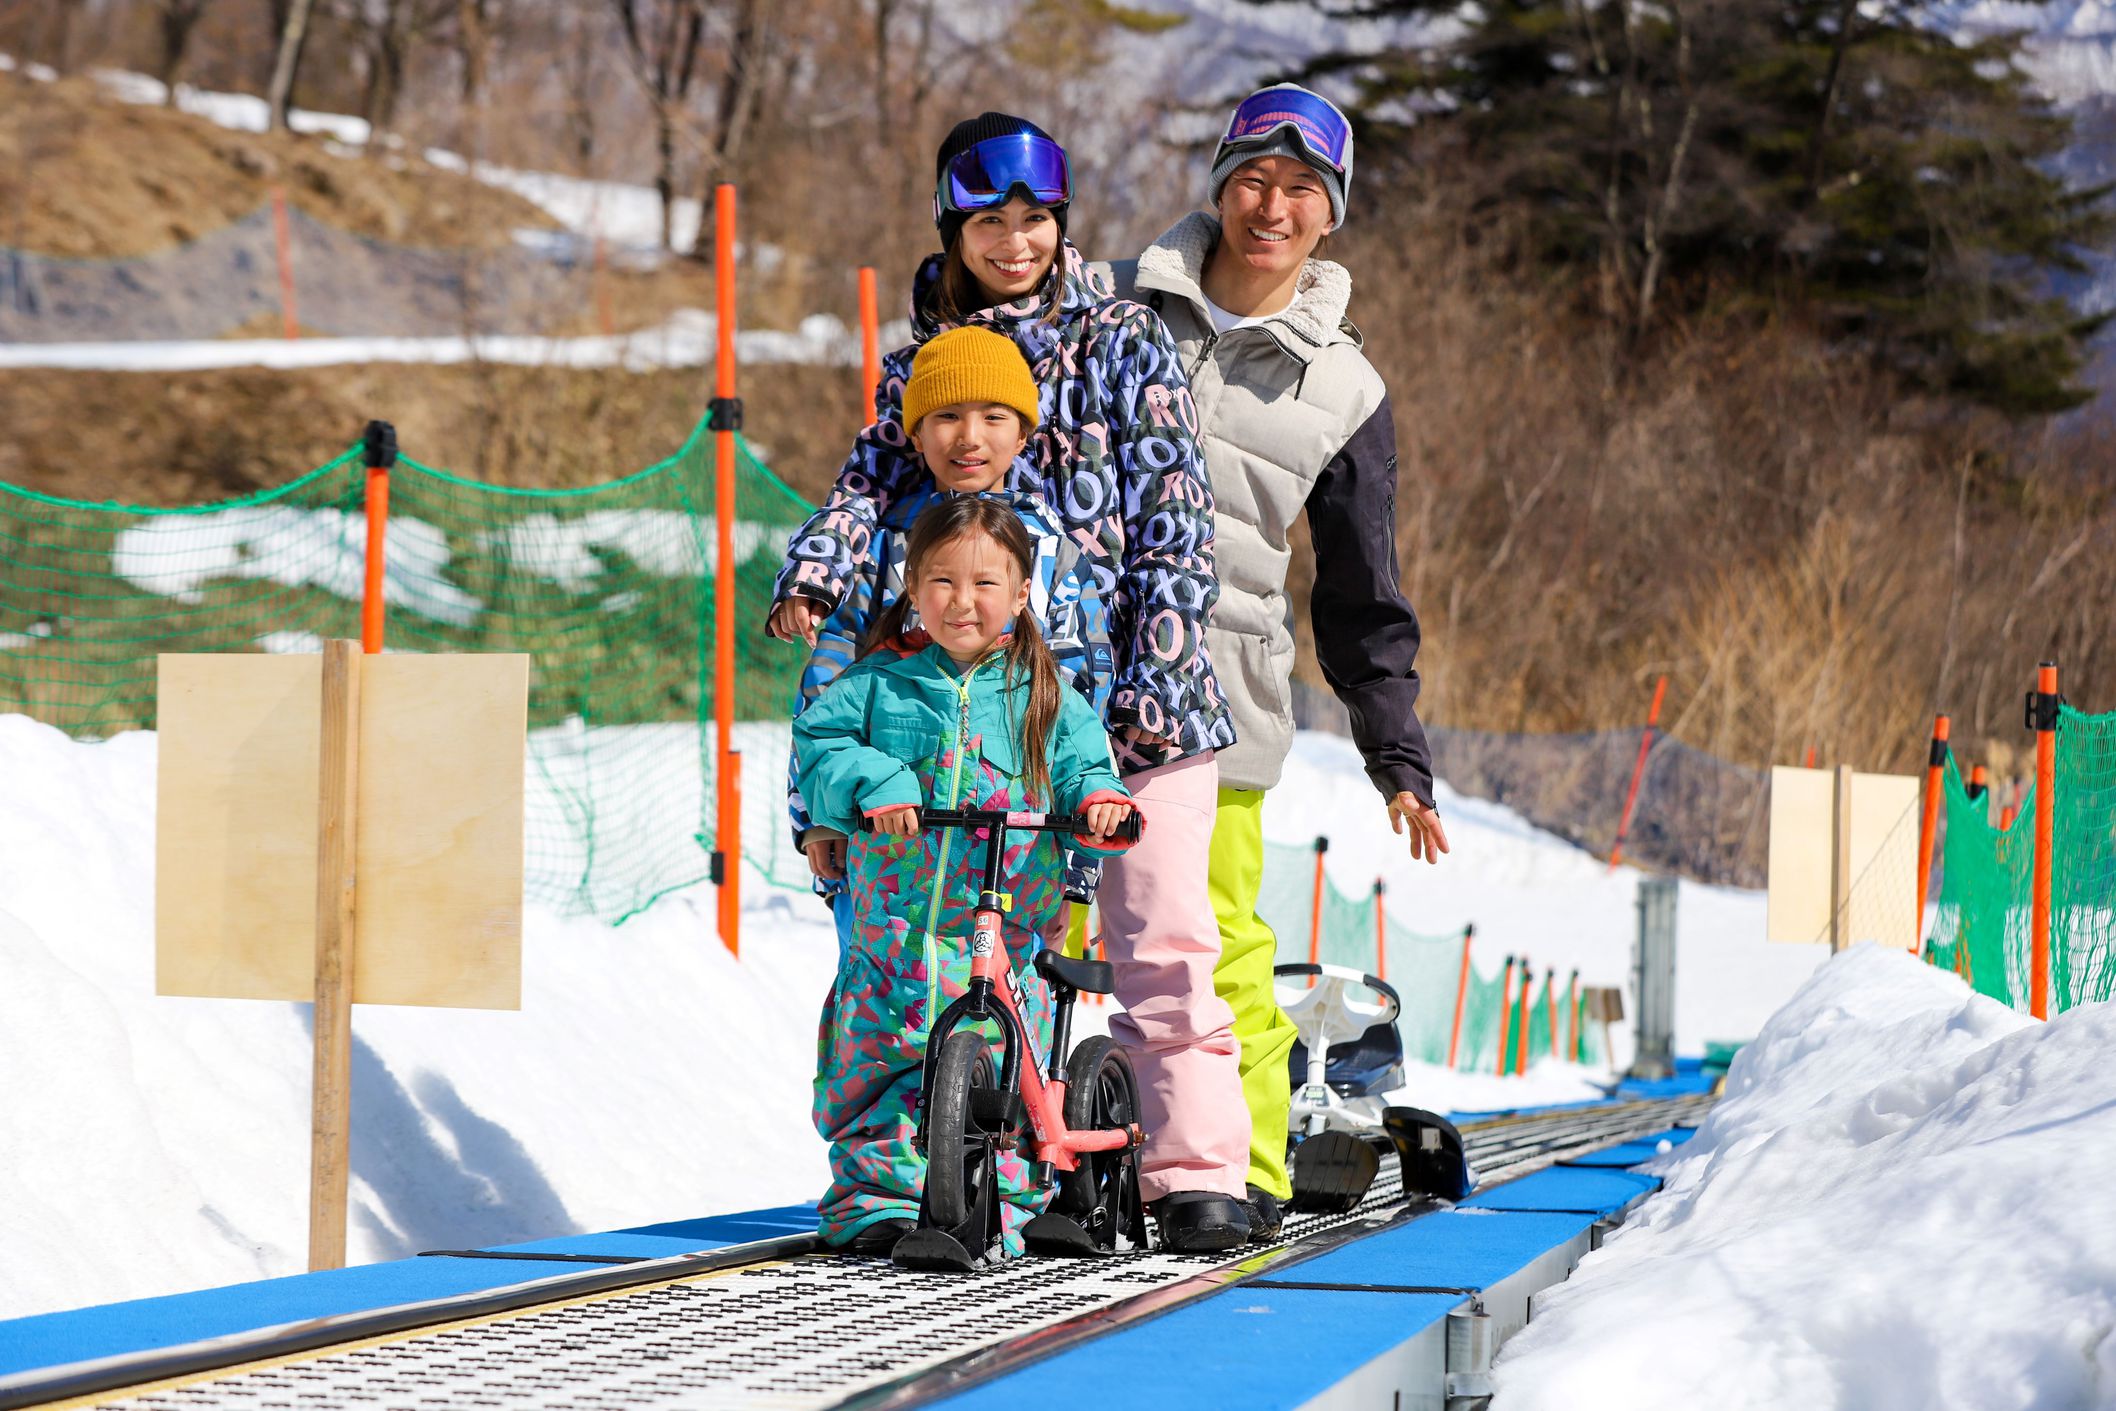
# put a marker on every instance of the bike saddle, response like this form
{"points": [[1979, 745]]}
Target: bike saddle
{"points": [[1350, 1018], [1096, 977]]}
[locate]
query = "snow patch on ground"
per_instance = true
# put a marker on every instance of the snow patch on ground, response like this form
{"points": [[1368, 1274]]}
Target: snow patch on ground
{"points": [[1902, 1202]]}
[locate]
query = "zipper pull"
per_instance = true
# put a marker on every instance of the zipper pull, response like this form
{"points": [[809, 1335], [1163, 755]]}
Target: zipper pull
{"points": [[1204, 351]]}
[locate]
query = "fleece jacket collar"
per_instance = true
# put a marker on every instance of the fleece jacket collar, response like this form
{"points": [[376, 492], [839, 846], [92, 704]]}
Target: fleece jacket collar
{"points": [[1175, 264]]}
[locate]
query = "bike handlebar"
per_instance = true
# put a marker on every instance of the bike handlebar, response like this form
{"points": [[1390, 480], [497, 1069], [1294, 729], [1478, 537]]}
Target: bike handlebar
{"points": [[1021, 820]]}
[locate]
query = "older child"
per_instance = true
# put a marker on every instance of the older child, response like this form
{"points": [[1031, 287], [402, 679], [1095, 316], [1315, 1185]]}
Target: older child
{"points": [[970, 405], [966, 711]]}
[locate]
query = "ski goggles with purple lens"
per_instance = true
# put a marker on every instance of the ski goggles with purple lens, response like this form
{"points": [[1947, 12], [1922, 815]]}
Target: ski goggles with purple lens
{"points": [[986, 174], [1317, 124]]}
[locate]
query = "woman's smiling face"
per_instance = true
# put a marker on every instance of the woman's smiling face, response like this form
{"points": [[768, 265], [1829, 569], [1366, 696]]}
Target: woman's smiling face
{"points": [[1009, 249]]}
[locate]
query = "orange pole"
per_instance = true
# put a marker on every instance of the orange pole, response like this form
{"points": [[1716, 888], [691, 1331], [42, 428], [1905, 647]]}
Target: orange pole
{"points": [[1322, 845], [1528, 979], [1638, 772], [601, 279], [283, 240], [1810, 762], [1506, 1012], [381, 442], [1454, 1035], [870, 343], [1928, 823], [2006, 816], [2043, 715], [1572, 1018], [1381, 935], [727, 418]]}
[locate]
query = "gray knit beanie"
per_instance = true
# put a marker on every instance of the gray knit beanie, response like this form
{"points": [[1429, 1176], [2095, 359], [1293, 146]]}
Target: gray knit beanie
{"points": [[1227, 160]]}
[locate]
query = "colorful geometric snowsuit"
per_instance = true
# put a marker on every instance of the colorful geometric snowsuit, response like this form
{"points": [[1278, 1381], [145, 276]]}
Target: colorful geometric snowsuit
{"points": [[1062, 594], [905, 725]]}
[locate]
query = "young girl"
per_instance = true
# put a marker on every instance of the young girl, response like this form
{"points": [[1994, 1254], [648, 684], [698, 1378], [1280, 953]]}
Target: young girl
{"points": [[965, 712], [970, 405]]}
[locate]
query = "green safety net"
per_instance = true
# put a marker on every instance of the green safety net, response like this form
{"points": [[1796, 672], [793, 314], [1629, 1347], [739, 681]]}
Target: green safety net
{"points": [[1981, 923], [608, 588], [2083, 861]]}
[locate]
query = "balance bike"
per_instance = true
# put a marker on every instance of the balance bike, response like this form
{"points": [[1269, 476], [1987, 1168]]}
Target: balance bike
{"points": [[1348, 1055], [1079, 1124]]}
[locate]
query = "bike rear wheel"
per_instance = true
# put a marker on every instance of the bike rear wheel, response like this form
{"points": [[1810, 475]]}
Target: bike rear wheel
{"points": [[1101, 1092]]}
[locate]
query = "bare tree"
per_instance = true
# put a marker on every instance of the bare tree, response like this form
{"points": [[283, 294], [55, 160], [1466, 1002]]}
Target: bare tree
{"points": [[753, 68], [175, 19], [662, 40], [293, 38], [476, 21]]}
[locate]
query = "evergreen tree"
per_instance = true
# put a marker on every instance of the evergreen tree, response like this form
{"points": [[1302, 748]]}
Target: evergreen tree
{"points": [[1886, 180]]}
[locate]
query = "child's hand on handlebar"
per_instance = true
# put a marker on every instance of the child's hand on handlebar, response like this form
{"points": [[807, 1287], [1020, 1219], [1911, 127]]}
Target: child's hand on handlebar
{"points": [[1103, 819], [900, 820]]}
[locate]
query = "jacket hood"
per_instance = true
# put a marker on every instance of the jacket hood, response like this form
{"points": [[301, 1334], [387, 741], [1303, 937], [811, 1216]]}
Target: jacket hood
{"points": [[1175, 264], [1083, 289]]}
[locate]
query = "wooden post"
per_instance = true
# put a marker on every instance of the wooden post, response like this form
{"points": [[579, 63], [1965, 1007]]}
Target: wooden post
{"points": [[1928, 823], [1506, 1013], [1638, 772], [727, 419], [330, 1092], [870, 344], [283, 244], [1454, 1034], [1381, 935], [380, 439], [1528, 978], [1315, 913], [1840, 862], [2042, 716]]}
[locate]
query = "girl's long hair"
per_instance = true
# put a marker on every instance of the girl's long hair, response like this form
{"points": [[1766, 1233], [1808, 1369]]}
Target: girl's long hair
{"points": [[1028, 659]]}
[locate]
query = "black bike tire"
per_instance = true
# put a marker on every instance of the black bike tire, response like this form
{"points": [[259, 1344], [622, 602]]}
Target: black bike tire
{"points": [[1088, 1106], [965, 1063]]}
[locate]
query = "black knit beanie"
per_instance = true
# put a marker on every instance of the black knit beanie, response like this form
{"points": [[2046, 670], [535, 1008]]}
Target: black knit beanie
{"points": [[967, 134]]}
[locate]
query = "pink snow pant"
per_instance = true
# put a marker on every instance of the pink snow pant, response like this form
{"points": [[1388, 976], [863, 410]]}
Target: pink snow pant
{"points": [[1160, 933]]}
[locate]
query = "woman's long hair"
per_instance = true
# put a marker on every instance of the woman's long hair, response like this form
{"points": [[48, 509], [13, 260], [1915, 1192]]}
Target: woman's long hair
{"points": [[956, 294], [1028, 659]]}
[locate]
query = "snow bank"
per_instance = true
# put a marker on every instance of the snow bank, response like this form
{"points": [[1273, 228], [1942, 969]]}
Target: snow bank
{"points": [[1903, 1202], [150, 1144]]}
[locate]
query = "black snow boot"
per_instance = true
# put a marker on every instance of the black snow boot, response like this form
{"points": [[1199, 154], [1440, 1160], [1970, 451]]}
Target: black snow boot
{"points": [[1265, 1215], [878, 1239], [1200, 1222]]}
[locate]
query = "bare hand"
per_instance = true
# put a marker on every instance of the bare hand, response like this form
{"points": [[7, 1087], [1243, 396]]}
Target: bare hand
{"points": [[1428, 838], [826, 853], [1103, 819], [900, 821], [796, 617]]}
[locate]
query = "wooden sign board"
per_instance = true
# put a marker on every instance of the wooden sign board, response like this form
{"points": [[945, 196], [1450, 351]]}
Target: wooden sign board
{"points": [[1883, 849], [1605, 1004], [438, 851]]}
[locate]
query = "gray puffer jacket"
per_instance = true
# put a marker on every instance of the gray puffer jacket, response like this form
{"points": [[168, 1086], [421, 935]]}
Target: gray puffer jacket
{"points": [[1291, 416]]}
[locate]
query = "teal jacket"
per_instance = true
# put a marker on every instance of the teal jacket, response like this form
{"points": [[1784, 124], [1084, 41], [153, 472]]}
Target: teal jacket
{"points": [[905, 725]]}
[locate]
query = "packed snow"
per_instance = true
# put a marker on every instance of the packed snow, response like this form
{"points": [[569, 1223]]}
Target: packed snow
{"points": [[150, 1144], [1903, 1202]]}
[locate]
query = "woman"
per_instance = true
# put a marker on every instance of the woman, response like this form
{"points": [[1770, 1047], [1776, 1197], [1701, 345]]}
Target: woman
{"points": [[1118, 462], [1291, 416]]}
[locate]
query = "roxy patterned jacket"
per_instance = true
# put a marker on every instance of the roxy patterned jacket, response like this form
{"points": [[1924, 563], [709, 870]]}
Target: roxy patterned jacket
{"points": [[1115, 455]]}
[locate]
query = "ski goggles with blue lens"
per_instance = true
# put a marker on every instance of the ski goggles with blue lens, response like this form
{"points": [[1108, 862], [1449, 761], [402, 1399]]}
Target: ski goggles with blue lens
{"points": [[988, 173], [1316, 123]]}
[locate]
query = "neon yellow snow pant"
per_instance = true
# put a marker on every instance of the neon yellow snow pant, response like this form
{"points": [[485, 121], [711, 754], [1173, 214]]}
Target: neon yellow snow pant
{"points": [[1248, 950]]}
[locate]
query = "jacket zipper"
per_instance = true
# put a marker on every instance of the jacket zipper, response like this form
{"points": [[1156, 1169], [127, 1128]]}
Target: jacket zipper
{"points": [[940, 873], [1204, 352]]}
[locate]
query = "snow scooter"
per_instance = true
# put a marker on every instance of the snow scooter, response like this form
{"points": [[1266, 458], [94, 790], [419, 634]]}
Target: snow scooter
{"points": [[1349, 1054], [1080, 1125]]}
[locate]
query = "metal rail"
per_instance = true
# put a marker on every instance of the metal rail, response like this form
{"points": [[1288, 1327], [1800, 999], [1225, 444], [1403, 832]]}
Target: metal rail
{"points": [[776, 1323]]}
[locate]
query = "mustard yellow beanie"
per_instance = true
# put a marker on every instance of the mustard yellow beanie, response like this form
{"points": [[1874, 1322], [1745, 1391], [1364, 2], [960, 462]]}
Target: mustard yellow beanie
{"points": [[969, 364]]}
